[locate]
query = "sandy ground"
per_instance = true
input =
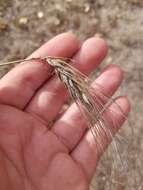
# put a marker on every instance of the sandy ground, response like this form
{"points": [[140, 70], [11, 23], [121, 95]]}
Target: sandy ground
{"points": [[120, 22]]}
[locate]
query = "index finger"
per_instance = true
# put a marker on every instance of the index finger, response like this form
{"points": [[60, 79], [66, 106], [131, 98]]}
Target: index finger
{"points": [[19, 85]]}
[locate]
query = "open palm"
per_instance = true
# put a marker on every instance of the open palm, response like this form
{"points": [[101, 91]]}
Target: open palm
{"points": [[37, 151]]}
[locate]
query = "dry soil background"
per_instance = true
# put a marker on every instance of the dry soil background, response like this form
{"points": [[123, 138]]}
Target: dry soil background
{"points": [[120, 22]]}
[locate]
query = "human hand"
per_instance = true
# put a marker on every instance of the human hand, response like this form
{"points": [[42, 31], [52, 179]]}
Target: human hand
{"points": [[32, 155]]}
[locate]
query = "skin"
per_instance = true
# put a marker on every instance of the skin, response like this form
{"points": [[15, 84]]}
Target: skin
{"points": [[34, 155]]}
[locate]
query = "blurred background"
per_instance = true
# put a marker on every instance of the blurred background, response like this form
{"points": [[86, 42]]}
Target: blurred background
{"points": [[26, 24]]}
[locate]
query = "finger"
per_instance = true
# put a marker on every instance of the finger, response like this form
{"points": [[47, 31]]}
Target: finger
{"points": [[19, 85], [62, 45], [50, 98], [86, 153], [72, 123]]}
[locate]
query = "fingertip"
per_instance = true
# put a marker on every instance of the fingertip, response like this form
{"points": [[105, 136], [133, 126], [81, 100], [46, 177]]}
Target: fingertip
{"points": [[114, 71], [115, 67], [124, 103], [63, 45], [91, 54], [71, 37], [97, 45], [68, 36], [110, 79]]}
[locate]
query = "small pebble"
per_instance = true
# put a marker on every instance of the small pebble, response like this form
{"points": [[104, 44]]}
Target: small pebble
{"points": [[23, 20], [40, 14], [109, 60], [98, 35], [86, 8]]}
